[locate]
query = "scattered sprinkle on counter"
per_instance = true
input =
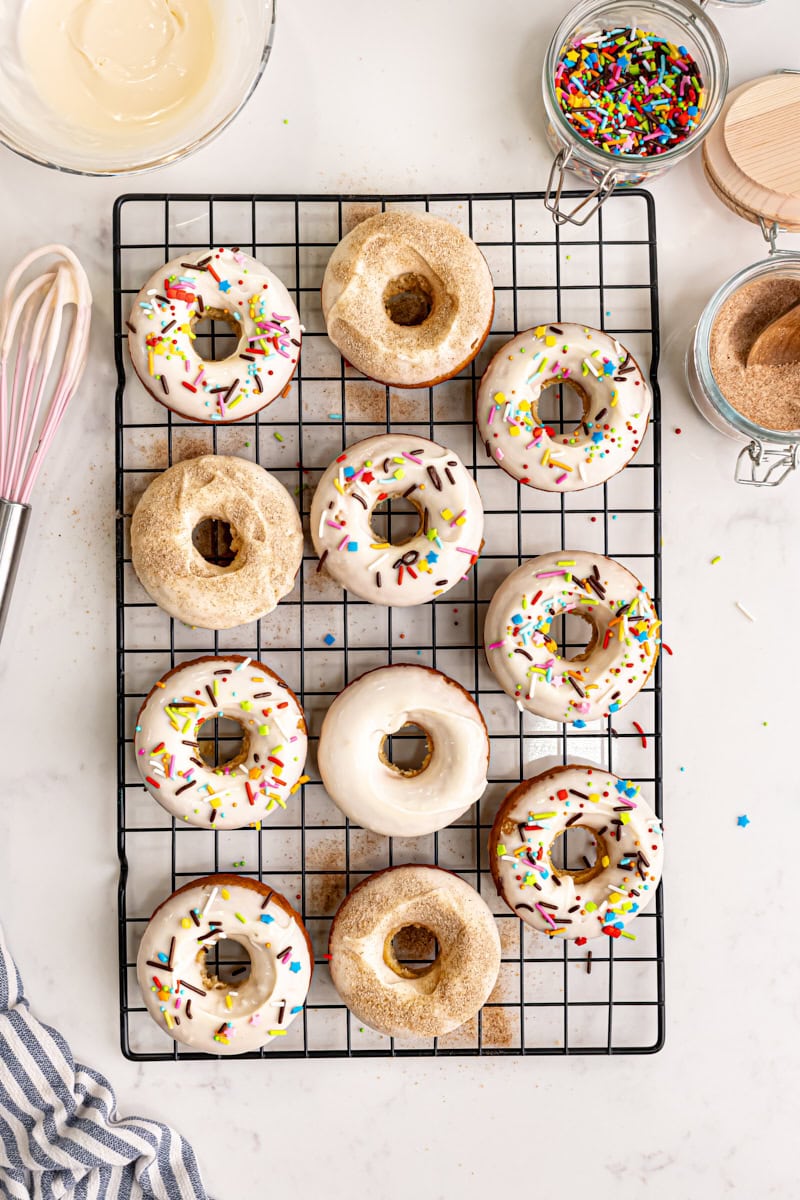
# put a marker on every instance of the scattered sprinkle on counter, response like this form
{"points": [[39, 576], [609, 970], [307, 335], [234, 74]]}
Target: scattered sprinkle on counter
{"points": [[743, 820]]}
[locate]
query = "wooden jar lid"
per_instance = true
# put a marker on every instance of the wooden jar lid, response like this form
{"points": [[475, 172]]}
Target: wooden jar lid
{"points": [[752, 154]]}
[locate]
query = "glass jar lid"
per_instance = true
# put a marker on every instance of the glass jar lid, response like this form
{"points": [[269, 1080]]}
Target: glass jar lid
{"points": [[750, 155]]}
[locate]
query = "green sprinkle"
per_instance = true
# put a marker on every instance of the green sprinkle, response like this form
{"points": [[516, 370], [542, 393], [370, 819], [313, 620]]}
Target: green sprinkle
{"points": [[239, 917], [278, 436]]}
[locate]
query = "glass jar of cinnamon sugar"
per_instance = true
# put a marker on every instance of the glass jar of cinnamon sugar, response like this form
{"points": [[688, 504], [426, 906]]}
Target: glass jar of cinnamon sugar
{"points": [[751, 165], [757, 404]]}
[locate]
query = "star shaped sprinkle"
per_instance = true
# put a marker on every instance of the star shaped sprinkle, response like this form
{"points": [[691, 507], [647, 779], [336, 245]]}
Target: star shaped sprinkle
{"points": [[224, 286], [744, 820]]}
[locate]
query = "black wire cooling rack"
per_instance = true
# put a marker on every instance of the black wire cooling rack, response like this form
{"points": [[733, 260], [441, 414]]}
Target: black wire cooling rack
{"points": [[552, 997]]}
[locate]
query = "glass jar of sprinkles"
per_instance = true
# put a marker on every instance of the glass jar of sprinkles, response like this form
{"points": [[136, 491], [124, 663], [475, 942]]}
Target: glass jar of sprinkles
{"points": [[629, 89]]}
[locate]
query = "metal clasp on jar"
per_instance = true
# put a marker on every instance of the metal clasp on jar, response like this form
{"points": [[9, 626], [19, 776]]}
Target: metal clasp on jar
{"points": [[765, 466], [552, 200]]}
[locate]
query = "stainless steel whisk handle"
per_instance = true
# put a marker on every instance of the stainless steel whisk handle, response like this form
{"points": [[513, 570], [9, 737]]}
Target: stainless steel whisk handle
{"points": [[13, 525]]}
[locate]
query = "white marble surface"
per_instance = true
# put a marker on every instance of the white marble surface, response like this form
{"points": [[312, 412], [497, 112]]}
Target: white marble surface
{"points": [[434, 96]]}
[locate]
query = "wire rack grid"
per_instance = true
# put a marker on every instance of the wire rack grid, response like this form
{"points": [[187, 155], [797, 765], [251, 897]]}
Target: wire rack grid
{"points": [[551, 997]]}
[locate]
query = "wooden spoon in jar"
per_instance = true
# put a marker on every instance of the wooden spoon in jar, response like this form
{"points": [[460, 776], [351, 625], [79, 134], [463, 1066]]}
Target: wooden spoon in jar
{"points": [[778, 344]]}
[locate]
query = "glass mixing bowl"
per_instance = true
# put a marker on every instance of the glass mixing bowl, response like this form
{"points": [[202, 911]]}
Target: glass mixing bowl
{"points": [[684, 23], [245, 31]]}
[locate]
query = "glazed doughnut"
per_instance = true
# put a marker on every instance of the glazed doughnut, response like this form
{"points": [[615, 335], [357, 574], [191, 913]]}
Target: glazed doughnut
{"points": [[407, 299], [222, 285], [268, 769], [266, 539], [402, 1001], [618, 660], [615, 396], [435, 481], [196, 1007], [368, 788], [599, 898]]}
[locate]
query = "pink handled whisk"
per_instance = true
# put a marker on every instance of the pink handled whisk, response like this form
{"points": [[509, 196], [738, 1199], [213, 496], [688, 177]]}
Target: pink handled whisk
{"points": [[42, 358]]}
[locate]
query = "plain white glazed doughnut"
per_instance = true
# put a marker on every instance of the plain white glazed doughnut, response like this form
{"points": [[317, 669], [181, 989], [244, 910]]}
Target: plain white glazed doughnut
{"points": [[367, 787], [617, 662], [223, 285], [437, 484], [199, 1009], [266, 539], [403, 1001], [242, 792], [616, 398], [599, 898], [407, 298]]}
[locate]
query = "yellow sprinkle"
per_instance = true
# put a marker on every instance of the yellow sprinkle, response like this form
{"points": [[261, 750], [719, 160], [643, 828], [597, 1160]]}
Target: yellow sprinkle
{"points": [[379, 545], [303, 779], [500, 397], [277, 1032], [169, 1020], [501, 848], [605, 860], [186, 923], [225, 894], [228, 1002], [550, 340], [239, 917], [594, 797], [338, 486], [717, 558]]}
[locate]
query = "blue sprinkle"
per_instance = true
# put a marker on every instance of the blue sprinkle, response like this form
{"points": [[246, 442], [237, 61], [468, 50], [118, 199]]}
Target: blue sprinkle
{"points": [[329, 639], [579, 724], [267, 919], [294, 967]]}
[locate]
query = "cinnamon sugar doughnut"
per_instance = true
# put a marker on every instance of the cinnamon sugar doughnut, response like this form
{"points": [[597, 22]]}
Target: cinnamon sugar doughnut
{"points": [[403, 1001], [408, 299], [266, 539]]}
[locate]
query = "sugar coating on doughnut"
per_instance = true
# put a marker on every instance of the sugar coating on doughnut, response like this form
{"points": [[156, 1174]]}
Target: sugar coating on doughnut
{"points": [[599, 897], [266, 539], [367, 787], [623, 647], [435, 482], [397, 1001], [197, 1008], [615, 394], [407, 250], [224, 285], [264, 775]]}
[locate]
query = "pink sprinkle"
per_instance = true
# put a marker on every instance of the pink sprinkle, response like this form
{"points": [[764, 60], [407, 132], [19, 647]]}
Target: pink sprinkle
{"points": [[464, 550], [171, 771], [562, 477], [495, 645], [411, 458], [499, 454], [627, 803], [279, 317], [492, 411], [549, 574], [343, 542], [334, 525], [545, 914], [200, 378]]}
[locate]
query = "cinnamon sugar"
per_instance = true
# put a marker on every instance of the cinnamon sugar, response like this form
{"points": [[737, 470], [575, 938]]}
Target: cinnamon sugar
{"points": [[767, 396]]}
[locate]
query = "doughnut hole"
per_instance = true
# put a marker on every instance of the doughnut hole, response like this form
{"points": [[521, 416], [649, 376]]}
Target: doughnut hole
{"points": [[226, 965], [214, 541], [578, 851], [222, 742], [567, 636], [218, 336], [411, 951], [563, 406], [408, 751], [396, 520], [408, 299]]}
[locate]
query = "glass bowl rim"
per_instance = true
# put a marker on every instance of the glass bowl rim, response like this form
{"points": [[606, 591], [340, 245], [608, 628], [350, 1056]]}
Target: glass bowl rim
{"points": [[171, 156]]}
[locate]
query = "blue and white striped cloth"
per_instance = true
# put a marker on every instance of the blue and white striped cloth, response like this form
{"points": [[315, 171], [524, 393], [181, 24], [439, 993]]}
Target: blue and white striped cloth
{"points": [[60, 1137]]}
